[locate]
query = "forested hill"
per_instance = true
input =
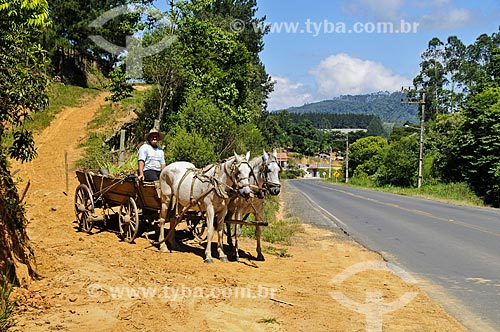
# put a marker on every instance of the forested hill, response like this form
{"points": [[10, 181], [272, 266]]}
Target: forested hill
{"points": [[386, 105]]}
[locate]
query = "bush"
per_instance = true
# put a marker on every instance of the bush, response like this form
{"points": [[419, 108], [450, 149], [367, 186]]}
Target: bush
{"points": [[399, 163], [189, 147], [292, 173], [6, 304]]}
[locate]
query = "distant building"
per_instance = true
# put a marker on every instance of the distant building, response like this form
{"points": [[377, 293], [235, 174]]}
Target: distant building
{"points": [[282, 159], [345, 130]]}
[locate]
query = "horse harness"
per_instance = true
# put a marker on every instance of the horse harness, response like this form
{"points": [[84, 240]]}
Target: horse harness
{"points": [[263, 172], [221, 189]]}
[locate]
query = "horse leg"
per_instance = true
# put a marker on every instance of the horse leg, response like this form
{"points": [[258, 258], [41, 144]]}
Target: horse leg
{"points": [[259, 215], [163, 215], [210, 214], [237, 234], [228, 231], [220, 232], [258, 231]]}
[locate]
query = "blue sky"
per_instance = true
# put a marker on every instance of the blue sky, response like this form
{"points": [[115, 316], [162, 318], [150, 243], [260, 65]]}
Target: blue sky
{"points": [[323, 48]]}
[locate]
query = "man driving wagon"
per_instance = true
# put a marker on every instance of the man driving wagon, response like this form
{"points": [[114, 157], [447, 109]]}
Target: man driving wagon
{"points": [[151, 159]]}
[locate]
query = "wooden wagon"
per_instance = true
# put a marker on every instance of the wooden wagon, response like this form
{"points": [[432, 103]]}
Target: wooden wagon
{"points": [[138, 202]]}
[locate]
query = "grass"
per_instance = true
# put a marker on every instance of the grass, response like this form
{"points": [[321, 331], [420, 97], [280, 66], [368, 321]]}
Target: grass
{"points": [[456, 193], [103, 125], [6, 304], [278, 231], [279, 252], [268, 321], [60, 95]]}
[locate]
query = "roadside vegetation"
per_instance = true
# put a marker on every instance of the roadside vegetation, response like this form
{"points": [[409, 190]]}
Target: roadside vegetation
{"points": [[6, 304], [455, 193]]}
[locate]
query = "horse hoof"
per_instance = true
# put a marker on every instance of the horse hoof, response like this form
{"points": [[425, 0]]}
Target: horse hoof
{"points": [[209, 261], [163, 248], [260, 257], [224, 260]]}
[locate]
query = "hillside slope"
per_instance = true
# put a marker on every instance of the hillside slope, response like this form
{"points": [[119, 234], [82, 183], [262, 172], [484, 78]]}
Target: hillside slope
{"points": [[386, 105]]}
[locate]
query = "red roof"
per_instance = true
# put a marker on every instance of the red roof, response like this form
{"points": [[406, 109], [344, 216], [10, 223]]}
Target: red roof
{"points": [[282, 156]]}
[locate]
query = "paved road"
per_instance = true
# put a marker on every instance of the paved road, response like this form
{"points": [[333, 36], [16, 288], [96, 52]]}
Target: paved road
{"points": [[455, 248]]}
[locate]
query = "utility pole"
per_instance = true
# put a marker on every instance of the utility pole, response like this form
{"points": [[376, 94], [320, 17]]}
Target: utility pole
{"points": [[330, 165], [420, 102], [347, 158]]}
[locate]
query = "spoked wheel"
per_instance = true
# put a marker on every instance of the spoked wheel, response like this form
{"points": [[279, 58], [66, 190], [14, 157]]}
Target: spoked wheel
{"points": [[84, 207], [128, 220]]}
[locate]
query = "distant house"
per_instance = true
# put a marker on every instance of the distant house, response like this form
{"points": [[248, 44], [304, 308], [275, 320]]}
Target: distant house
{"points": [[312, 171], [282, 159]]}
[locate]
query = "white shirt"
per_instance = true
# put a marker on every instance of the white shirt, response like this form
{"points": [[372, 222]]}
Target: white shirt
{"points": [[153, 157]]}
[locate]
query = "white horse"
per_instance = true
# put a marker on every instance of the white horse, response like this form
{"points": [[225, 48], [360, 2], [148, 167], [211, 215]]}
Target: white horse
{"points": [[183, 188], [265, 170]]}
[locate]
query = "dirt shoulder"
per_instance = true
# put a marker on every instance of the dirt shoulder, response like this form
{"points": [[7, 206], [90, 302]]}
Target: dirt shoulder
{"points": [[97, 283]]}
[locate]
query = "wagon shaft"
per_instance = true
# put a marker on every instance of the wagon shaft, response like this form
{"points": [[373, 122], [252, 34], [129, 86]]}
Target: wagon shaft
{"points": [[247, 223]]}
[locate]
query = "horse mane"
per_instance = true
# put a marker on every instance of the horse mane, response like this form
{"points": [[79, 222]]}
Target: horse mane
{"points": [[256, 161]]}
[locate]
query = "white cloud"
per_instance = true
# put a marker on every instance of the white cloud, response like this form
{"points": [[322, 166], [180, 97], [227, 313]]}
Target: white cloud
{"points": [[341, 74], [430, 14], [387, 10], [449, 19], [288, 93]]}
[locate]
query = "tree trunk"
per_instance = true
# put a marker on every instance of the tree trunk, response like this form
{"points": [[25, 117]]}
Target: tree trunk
{"points": [[17, 260]]}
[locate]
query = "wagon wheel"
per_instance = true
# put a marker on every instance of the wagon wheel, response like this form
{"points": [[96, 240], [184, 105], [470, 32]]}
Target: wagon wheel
{"points": [[84, 207], [128, 220]]}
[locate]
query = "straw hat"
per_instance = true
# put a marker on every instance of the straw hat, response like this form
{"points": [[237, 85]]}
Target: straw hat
{"points": [[154, 131]]}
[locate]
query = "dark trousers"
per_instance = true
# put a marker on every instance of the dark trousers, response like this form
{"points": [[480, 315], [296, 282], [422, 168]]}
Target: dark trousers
{"points": [[151, 175]]}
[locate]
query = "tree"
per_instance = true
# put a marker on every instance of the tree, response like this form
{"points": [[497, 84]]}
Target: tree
{"points": [[165, 70], [22, 92], [399, 163], [444, 137], [364, 154], [480, 144], [432, 78], [118, 85], [455, 52], [67, 38], [200, 115]]}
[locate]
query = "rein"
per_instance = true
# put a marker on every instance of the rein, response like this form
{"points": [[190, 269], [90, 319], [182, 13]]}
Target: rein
{"points": [[263, 173]]}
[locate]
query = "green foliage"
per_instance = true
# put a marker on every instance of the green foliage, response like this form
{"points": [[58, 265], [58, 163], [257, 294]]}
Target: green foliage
{"points": [[480, 144], [385, 105], [399, 162], [97, 154], [249, 138], [376, 128], [22, 72], [364, 154], [202, 116], [332, 120], [278, 231], [444, 135], [292, 173], [281, 231], [189, 146], [218, 65], [6, 304], [118, 85], [67, 37]]}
